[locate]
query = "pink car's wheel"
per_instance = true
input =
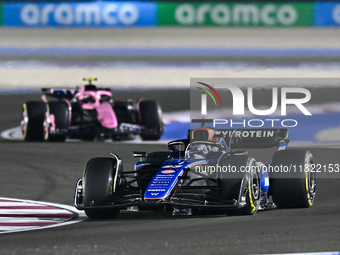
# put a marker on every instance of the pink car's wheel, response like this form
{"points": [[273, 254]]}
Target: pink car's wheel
{"points": [[32, 121], [151, 119], [56, 121]]}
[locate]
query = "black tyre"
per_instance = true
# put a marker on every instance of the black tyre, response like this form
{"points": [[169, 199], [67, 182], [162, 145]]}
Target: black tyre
{"points": [[151, 118], [99, 187], [32, 121], [248, 182], [294, 188], [57, 116]]}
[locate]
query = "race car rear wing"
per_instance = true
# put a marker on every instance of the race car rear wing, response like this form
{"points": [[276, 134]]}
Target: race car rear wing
{"points": [[243, 138], [67, 93], [253, 138]]}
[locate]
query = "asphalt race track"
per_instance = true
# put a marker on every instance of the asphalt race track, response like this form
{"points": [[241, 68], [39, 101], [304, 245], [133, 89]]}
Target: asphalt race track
{"points": [[48, 172]]}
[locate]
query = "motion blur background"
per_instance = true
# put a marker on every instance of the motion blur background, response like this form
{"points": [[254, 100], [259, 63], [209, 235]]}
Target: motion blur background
{"points": [[140, 46], [163, 44]]}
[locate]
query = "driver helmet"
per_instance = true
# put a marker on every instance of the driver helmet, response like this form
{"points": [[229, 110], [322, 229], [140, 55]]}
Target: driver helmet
{"points": [[199, 151]]}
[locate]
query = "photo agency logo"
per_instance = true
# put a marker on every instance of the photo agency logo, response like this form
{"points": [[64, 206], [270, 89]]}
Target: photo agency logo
{"points": [[294, 97], [204, 97]]}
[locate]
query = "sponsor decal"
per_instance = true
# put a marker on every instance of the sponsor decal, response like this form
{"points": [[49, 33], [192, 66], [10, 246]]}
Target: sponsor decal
{"points": [[173, 166], [168, 171], [246, 133], [162, 184]]}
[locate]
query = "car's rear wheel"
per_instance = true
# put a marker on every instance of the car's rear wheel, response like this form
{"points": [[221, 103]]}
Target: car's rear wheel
{"points": [[57, 118], [292, 181], [32, 121], [151, 119], [100, 180]]}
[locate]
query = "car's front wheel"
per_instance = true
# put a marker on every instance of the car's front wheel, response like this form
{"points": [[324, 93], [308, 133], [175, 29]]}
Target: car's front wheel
{"points": [[100, 180]]}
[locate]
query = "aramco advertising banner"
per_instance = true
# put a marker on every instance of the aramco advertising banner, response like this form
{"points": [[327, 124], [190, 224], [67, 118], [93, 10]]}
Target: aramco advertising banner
{"points": [[80, 14], [236, 14], [141, 14]]}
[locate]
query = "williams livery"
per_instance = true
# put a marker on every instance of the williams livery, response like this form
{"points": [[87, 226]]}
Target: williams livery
{"points": [[87, 113], [212, 169]]}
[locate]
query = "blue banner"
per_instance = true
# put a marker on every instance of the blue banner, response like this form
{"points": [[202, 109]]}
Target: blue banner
{"points": [[327, 14], [81, 14]]}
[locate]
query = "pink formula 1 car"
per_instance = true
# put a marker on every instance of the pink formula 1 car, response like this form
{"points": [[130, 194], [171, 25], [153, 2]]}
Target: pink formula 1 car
{"points": [[89, 113]]}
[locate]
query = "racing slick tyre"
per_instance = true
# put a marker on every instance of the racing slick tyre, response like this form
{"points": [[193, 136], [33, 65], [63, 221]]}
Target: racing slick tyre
{"points": [[32, 121], [243, 178], [100, 178], [151, 119], [294, 188], [56, 118]]}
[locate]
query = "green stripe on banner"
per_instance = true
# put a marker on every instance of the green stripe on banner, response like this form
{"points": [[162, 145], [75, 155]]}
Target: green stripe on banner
{"points": [[236, 14]]}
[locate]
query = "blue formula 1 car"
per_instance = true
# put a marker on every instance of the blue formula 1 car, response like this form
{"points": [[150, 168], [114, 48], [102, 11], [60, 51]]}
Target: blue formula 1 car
{"points": [[210, 170]]}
